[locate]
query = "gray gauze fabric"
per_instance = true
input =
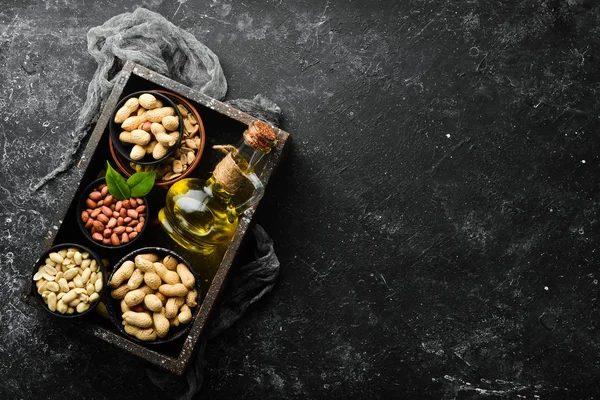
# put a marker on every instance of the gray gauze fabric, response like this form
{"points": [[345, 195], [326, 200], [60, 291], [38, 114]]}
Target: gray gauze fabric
{"points": [[150, 40]]}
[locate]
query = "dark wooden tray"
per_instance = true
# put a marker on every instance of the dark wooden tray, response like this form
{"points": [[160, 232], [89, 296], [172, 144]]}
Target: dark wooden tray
{"points": [[223, 124]]}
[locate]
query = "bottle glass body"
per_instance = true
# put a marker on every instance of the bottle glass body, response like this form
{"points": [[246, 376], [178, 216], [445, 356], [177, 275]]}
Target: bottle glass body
{"points": [[202, 216]]}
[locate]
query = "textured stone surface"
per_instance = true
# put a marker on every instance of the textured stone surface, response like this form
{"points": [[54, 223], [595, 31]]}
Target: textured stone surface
{"points": [[436, 219]]}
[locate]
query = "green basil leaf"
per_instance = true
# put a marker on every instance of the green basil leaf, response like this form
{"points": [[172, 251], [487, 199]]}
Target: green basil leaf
{"points": [[116, 184], [141, 183]]}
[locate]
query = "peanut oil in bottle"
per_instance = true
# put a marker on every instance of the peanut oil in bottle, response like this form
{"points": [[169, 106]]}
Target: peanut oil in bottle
{"points": [[202, 216]]}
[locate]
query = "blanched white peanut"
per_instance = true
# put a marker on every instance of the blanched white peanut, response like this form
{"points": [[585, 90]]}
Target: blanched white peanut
{"points": [[90, 289], [57, 258], [52, 301], [64, 286], [39, 275], [52, 286], [69, 297], [85, 276], [98, 285], [50, 270], [70, 274], [61, 307], [81, 307]]}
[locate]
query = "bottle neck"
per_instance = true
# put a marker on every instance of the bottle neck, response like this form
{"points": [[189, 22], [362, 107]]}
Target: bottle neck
{"points": [[233, 170], [246, 156]]}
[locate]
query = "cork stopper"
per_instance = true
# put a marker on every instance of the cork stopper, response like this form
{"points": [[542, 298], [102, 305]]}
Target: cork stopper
{"points": [[261, 136]]}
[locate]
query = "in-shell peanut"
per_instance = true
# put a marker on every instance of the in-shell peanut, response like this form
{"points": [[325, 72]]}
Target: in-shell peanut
{"points": [[148, 101], [161, 324], [153, 303], [130, 106], [141, 319], [157, 114]]}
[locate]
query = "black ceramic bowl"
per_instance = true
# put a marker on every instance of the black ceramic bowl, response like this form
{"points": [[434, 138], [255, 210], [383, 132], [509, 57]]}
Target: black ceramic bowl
{"points": [[81, 207], [114, 305], [56, 249], [124, 149]]}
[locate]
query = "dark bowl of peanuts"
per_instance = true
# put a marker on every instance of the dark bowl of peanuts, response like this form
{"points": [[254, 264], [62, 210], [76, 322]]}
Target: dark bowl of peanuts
{"points": [[186, 156], [69, 280], [107, 222], [154, 297], [146, 128]]}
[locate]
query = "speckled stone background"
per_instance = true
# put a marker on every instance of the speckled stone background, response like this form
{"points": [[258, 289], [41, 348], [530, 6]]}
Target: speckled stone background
{"points": [[436, 220]]}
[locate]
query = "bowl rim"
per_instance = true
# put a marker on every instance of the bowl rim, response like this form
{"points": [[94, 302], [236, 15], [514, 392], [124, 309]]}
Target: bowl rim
{"points": [[57, 248], [87, 234], [113, 306], [114, 132], [202, 133]]}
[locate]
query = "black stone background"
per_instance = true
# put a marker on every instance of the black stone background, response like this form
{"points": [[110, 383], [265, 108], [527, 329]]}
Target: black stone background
{"points": [[436, 220]]}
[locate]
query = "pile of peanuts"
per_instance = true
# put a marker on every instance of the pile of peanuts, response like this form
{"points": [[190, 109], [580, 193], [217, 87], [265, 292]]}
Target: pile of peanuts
{"points": [[184, 156], [153, 130], [113, 222], [155, 294], [69, 281]]}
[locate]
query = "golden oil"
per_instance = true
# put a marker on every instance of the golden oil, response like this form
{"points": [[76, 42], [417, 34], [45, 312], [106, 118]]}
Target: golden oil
{"points": [[202, 216]]}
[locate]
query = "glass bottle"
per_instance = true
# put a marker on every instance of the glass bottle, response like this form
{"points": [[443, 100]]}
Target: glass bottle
{"points": [[202, 216]]}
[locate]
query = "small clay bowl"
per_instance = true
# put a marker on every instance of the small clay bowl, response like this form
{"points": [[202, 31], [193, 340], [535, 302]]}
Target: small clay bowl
{"points": [[114, 305], [124, 148], [123, 164], [56, 249], [81, 207]]}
